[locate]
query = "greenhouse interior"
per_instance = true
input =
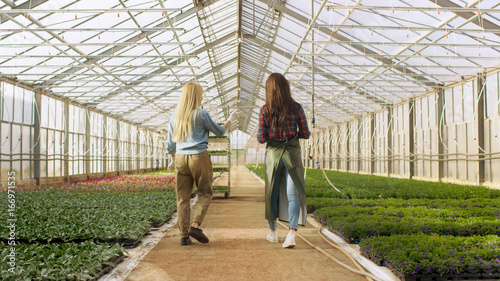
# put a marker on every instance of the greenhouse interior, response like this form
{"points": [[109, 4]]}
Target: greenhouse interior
{"points": [[401, 170]]}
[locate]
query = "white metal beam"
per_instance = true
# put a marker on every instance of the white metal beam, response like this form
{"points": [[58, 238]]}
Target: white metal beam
{"points": [[362, 48]]}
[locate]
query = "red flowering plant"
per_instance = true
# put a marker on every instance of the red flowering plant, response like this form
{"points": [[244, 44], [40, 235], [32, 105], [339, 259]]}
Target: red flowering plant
{"points": [[129, 183]]}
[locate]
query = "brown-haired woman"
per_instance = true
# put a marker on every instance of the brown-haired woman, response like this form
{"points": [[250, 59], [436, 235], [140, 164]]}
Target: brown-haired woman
{"points": [[282, 122]]}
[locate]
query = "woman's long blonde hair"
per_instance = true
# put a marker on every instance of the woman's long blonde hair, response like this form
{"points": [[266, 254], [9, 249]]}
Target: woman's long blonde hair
{"points": [[189, 102]]}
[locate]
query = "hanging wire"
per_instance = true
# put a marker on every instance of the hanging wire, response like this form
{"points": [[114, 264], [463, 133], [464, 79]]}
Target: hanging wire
{"points": [[441, 123], [418, 117], [4, 110], [388, 128], [475, 115]]}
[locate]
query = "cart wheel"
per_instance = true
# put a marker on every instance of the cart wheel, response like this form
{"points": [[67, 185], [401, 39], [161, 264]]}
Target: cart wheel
{"points": [[226, 195]]}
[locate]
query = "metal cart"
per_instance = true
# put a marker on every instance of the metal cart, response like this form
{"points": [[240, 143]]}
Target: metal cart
{"points": [[219, 142]]}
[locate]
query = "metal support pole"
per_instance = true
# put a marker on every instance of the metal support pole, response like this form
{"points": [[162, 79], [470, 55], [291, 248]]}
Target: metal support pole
{"points": [[325, 149], [11, 117], [1, 118], [105, 145], [37, 110], [389, 140], [312, 61], [229, 164], [312, 86], [147, 150], [411, 139], [372, 144], [66, 141], [118, 147], [151, 154], [348, 146], [164, 153], [358, 152], [338, 147], [129, 148], [87, 142], [481, 91], [36, 137], [137, 151], [239, 36], [440, 138]]}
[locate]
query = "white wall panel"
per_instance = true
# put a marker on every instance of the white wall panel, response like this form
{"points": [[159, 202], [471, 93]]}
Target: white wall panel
{"points": [[461, 144], [351, 144], [365, 144], [494, 145], [472, 150]]}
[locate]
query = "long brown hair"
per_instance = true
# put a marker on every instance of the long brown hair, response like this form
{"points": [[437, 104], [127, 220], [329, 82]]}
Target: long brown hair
{"points": [[278, 100]]}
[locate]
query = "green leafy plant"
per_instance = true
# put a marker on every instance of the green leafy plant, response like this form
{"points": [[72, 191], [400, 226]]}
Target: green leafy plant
{"points": [[415, 227], [217, 151], [220, 169], [109, 217], [64, 261], [358, 186], [421, 254], [220, 188]]}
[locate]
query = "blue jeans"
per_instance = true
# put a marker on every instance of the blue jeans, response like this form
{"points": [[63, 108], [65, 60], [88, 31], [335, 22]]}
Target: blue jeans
{"points": [[292, 197]]}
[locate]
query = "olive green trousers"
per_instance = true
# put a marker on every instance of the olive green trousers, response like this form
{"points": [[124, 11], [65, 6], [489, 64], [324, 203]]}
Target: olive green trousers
{"points": [[193, 170]]}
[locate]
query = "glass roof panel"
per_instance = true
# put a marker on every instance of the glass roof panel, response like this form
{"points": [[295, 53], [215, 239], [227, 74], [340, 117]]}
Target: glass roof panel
{"points": [[131, 60]]}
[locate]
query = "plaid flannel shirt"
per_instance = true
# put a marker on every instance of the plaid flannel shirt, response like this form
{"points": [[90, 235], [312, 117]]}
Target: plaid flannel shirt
{"points": [[296, 125]]}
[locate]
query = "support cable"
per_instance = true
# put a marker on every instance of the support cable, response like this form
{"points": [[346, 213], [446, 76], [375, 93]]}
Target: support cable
{"points": [[313, 120], [367, 275]]}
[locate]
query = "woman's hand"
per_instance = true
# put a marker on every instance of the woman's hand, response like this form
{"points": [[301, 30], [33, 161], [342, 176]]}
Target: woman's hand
{"points": [[171, 163], [235, 115]]}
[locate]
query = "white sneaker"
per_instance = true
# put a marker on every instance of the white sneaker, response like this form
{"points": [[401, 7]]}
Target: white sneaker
{"points": [[289, 241], [271, 237]]}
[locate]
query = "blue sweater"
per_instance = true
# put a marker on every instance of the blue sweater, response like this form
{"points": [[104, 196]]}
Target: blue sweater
{"points": [[197, 142]]}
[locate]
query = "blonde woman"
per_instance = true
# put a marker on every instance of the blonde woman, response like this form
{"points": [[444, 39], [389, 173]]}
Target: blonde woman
{"points": [[187, 143]]}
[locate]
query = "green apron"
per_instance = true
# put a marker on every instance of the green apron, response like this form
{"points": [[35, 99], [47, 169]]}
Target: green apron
{"points": [[290, 151]]}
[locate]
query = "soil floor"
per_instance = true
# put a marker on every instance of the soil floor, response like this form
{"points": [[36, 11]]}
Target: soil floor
{"points": [[238, 249]]}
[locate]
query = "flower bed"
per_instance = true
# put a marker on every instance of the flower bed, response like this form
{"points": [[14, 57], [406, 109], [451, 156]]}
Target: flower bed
{"points": [[94, 213], [399, 222], [474, 206], [361, 218], [127, 183], [65, 261], [357, 186], [56, 199], [106, 217], [422, 254], [375, 187], [359, 225]]}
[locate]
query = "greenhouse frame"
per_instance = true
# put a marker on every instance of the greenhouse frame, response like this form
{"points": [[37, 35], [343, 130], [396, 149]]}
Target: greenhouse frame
{"points": [[394, 178], [406, 89]]}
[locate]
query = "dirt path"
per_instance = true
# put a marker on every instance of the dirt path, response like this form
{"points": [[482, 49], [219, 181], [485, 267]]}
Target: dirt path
{"points": [[238, 249]]}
